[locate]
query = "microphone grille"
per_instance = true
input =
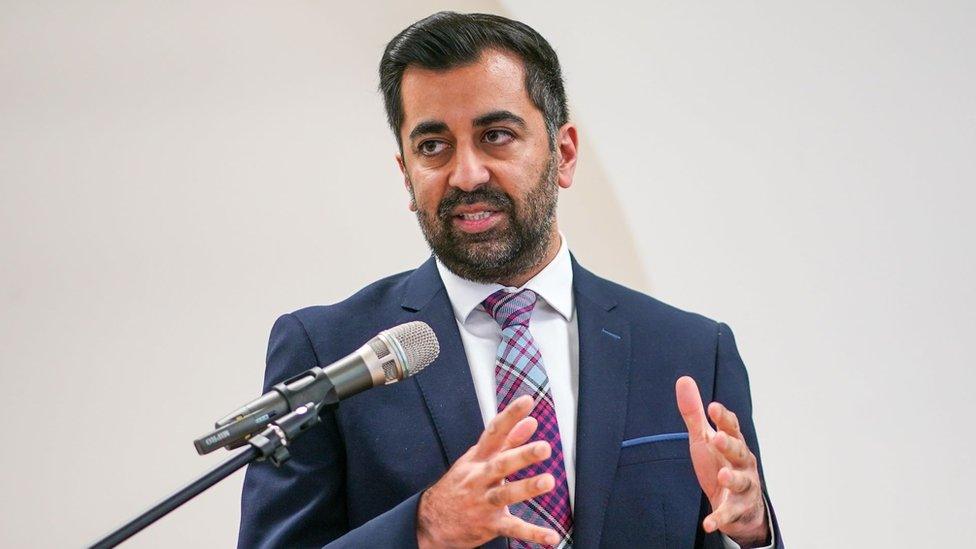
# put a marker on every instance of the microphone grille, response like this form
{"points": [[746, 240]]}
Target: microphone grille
{"points": [[418, 342]]}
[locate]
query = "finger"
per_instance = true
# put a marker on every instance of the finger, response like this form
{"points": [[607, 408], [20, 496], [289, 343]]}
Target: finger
{"points": [[736, 481], [727, 515], [520, 490], [724, 419], [498, 428], [516, 528], [516, 459], [521, 433], [690, 406], [733, 449]]}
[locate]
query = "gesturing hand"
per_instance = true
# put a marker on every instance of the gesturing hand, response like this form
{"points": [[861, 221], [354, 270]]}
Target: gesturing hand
{"points": [[725, 468], [468, 506]]}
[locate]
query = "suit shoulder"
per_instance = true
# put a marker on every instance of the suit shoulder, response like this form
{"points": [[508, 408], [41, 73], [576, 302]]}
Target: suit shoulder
{"points": [[653, 311], [378, 294]]}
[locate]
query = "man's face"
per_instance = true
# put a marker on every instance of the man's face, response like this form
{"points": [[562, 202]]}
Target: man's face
{"points": [[478, 163]]}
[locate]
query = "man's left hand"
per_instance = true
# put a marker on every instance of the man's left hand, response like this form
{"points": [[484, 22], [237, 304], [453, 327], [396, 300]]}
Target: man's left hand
{"points": [[726, 468]]}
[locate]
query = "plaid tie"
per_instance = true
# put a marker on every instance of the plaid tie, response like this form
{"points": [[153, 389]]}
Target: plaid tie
{"points": [[519, 371]]}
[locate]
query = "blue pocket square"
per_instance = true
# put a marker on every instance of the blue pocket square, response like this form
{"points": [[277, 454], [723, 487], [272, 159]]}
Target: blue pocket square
{"points": [[654, 438]]}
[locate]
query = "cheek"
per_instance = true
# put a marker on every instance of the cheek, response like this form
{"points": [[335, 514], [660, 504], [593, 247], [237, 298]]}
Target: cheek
{"points": [[427, 191], [516, 180]]}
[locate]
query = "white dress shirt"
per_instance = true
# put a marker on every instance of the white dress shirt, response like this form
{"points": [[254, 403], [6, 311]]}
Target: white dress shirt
{"points": [[554, 328]]}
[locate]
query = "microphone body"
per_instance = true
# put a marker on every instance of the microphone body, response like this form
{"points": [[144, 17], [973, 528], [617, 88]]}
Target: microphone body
{"points": [[387, 358]]}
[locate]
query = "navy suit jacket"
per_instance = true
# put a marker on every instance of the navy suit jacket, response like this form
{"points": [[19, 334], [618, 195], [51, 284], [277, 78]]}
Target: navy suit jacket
{"points": [[355, 480]]}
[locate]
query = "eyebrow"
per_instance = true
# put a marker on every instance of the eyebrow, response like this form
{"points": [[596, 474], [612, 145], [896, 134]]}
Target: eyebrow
{"points": [[428, 127], [499, 116]]}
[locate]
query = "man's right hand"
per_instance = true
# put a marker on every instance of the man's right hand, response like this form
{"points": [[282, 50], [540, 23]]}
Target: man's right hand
{"points": [[468, 506]]}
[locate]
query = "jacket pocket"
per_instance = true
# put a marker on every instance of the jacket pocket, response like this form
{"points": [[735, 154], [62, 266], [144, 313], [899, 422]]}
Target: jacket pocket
{"points": [[653, 448]]}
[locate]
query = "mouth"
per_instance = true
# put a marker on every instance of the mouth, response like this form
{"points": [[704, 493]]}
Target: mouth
{"points": [[477, 220]]}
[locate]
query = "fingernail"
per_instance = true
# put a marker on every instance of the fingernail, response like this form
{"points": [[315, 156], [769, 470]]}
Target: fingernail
{"points": [[709, 524], [540, 449], [543, 483], [552, 539]]}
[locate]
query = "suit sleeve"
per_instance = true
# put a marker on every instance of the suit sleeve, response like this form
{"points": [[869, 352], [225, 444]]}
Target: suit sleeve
{"points": [[303, 502], [731, 388]]}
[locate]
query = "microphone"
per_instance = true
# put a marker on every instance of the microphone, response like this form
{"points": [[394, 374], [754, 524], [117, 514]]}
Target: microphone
{"points": [[392, 355]]}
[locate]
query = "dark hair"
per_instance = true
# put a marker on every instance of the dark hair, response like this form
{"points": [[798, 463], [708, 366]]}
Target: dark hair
{"points": [[447, 39]]}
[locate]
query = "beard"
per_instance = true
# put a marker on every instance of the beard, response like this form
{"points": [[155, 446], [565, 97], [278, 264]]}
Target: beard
{"points": [[512, 247]]}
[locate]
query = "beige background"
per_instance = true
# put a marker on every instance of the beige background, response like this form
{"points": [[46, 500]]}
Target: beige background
{"points": [[175, 175]]}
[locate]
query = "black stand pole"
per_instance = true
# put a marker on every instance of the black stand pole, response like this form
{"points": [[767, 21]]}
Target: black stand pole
{"points": [[271, 444], [178, 498]]}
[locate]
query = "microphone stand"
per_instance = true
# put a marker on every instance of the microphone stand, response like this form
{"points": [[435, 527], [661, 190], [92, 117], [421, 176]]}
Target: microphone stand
{"points": [[271, 444]]}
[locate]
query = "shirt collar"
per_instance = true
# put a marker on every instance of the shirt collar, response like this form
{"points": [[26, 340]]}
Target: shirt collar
{"points": [[554, 284]]}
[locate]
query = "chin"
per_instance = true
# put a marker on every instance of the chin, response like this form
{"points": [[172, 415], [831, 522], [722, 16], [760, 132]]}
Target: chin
{"points": [[490, 238]]}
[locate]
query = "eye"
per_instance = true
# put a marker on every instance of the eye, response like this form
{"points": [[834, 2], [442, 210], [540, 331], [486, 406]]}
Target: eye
{"points": [[498, 137], [431, 147]]}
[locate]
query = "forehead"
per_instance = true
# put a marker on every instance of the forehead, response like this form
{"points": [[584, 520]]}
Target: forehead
{"points": [[458, 95]]}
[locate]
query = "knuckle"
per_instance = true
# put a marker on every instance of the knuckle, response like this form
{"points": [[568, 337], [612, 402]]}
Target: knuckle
{"points": [[494, 497], [727, 481], [468, 478], [516, 530], [728, 448], [539, 536], [497, 466], [737, 449], [480, 473], [511, 439], [527, 488], [750, 514]]}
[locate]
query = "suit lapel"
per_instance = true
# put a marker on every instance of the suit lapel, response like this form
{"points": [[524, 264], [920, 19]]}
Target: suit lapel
{"points": [[446, 384], [604, 362], [604, 365]]}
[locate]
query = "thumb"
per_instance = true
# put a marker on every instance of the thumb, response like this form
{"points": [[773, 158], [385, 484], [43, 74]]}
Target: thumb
{"points": [[690, 406]]}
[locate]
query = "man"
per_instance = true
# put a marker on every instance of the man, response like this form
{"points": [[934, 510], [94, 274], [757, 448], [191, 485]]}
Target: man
{"points": [[564, 410]]}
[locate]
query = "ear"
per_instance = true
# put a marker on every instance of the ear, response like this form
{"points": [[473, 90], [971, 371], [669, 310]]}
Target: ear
{"points": [[567, 146], [412, 205]]}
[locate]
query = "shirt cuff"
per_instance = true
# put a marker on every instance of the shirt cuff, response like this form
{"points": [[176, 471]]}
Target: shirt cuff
{"points": [[729, 544]]}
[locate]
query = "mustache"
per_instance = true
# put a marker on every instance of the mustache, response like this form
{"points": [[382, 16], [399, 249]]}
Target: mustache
{"points": [[492, 197]]}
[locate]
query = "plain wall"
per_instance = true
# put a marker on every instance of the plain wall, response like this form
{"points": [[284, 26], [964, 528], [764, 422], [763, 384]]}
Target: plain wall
{"points": [[805, 172], [175, 176]]}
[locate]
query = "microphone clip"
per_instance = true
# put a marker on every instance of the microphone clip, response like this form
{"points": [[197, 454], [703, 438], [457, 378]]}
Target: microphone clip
{"points": [[272, 443]]}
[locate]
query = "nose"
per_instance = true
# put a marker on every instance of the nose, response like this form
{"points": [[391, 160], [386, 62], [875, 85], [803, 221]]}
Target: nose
{"points": [[469, 171]]}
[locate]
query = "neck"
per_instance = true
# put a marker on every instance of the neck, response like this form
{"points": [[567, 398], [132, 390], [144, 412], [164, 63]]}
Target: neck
{"points": [[519, 280]]}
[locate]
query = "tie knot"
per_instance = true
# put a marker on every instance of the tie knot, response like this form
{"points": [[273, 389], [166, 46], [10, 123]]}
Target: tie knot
{"points": [[511, 309]]}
